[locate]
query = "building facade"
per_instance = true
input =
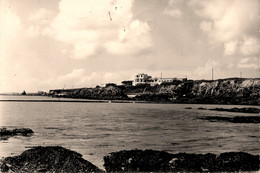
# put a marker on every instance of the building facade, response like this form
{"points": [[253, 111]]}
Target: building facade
{"points": [[142, 78]]}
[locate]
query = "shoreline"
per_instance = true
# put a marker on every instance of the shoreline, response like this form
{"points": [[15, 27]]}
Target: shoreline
{"points": [[79, 100]]}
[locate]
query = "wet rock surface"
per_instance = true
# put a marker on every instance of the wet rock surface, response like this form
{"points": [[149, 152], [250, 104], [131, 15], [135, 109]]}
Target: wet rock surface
{"points": [[160, 161], [48, 159], [236, 119], [6, 133]]}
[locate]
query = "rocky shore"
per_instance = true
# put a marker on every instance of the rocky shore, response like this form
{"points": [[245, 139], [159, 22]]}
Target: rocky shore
{"points": [[59, 159], [221, 91]]}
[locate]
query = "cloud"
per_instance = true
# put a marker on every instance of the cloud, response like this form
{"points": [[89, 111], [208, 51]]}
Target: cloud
{"points": [[39, 23], [206, 26], [205, 70], [136, 38], [172, 8], [81, 78], [41, 14], [10, 29], [248, 63], [10, 25], [100, 25], [233, 25], [230, 47], [250, 46]]}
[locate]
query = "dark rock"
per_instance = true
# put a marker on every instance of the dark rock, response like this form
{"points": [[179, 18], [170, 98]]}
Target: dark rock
{"points": [[49, 159], [137, 160], [201, 108], [4, 167], [160, 161], [242, 110], [237, 161], [236, 119], [5, 133], [22, 131]]}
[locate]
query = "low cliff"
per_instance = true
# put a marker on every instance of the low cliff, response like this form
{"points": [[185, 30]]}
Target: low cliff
{"points": [[102, 93], [222, 91]]}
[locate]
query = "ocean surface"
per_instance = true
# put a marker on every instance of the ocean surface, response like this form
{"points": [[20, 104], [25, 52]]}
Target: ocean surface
{"points": [[96, 129]]}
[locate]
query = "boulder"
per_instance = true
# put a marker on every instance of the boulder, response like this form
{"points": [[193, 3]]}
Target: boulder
{"points": [[4, 132], [48, 159]]}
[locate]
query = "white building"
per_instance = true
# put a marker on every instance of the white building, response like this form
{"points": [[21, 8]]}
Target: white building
{"points": [[142, 78]]}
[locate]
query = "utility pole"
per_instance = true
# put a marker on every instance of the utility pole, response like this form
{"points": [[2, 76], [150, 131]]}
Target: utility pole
{"points": [[161, 75], [212, 72], [258, 65], [241, 74]]}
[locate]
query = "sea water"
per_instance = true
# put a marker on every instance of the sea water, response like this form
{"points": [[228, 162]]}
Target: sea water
{"points": [[96, 129]]}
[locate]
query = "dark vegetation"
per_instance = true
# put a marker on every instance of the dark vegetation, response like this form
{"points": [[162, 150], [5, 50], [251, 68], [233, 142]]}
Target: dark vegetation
{"points": [[222, 91]]}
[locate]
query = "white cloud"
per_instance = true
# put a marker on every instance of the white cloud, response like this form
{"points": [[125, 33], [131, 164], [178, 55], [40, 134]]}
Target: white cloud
{"points": [[231, 24], [206, 69], [81, 78], [173, 12], [91, 26], [137, 37], [248, 63], [10, 26], [173, 8], [230, 47], [41, 14], [250, 46], [206, 26], [39, 23]]}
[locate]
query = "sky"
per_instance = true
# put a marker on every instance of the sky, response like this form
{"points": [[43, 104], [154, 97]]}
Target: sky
{"points": [[50, 44]]}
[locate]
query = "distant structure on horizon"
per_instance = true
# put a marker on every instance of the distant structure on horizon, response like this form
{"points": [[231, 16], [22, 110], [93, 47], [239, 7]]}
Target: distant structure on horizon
{"points": [[142, 78]]}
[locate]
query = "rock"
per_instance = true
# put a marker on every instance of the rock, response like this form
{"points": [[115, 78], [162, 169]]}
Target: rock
{"points": [[201, 108], [4, 167], [22, 131], [160, 161], [237, 161], [49, 159], [236, 119], [242, 110], [4, 132], [137, 160]]}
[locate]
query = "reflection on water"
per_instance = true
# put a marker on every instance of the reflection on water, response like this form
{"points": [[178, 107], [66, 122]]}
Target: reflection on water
{"points": [[95, 129]]}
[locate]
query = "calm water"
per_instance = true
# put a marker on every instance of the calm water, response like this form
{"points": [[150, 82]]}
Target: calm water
{"points": [[96, 129]]}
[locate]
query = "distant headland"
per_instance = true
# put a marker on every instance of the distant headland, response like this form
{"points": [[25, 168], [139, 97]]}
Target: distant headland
{"points": [[172, 90]]}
